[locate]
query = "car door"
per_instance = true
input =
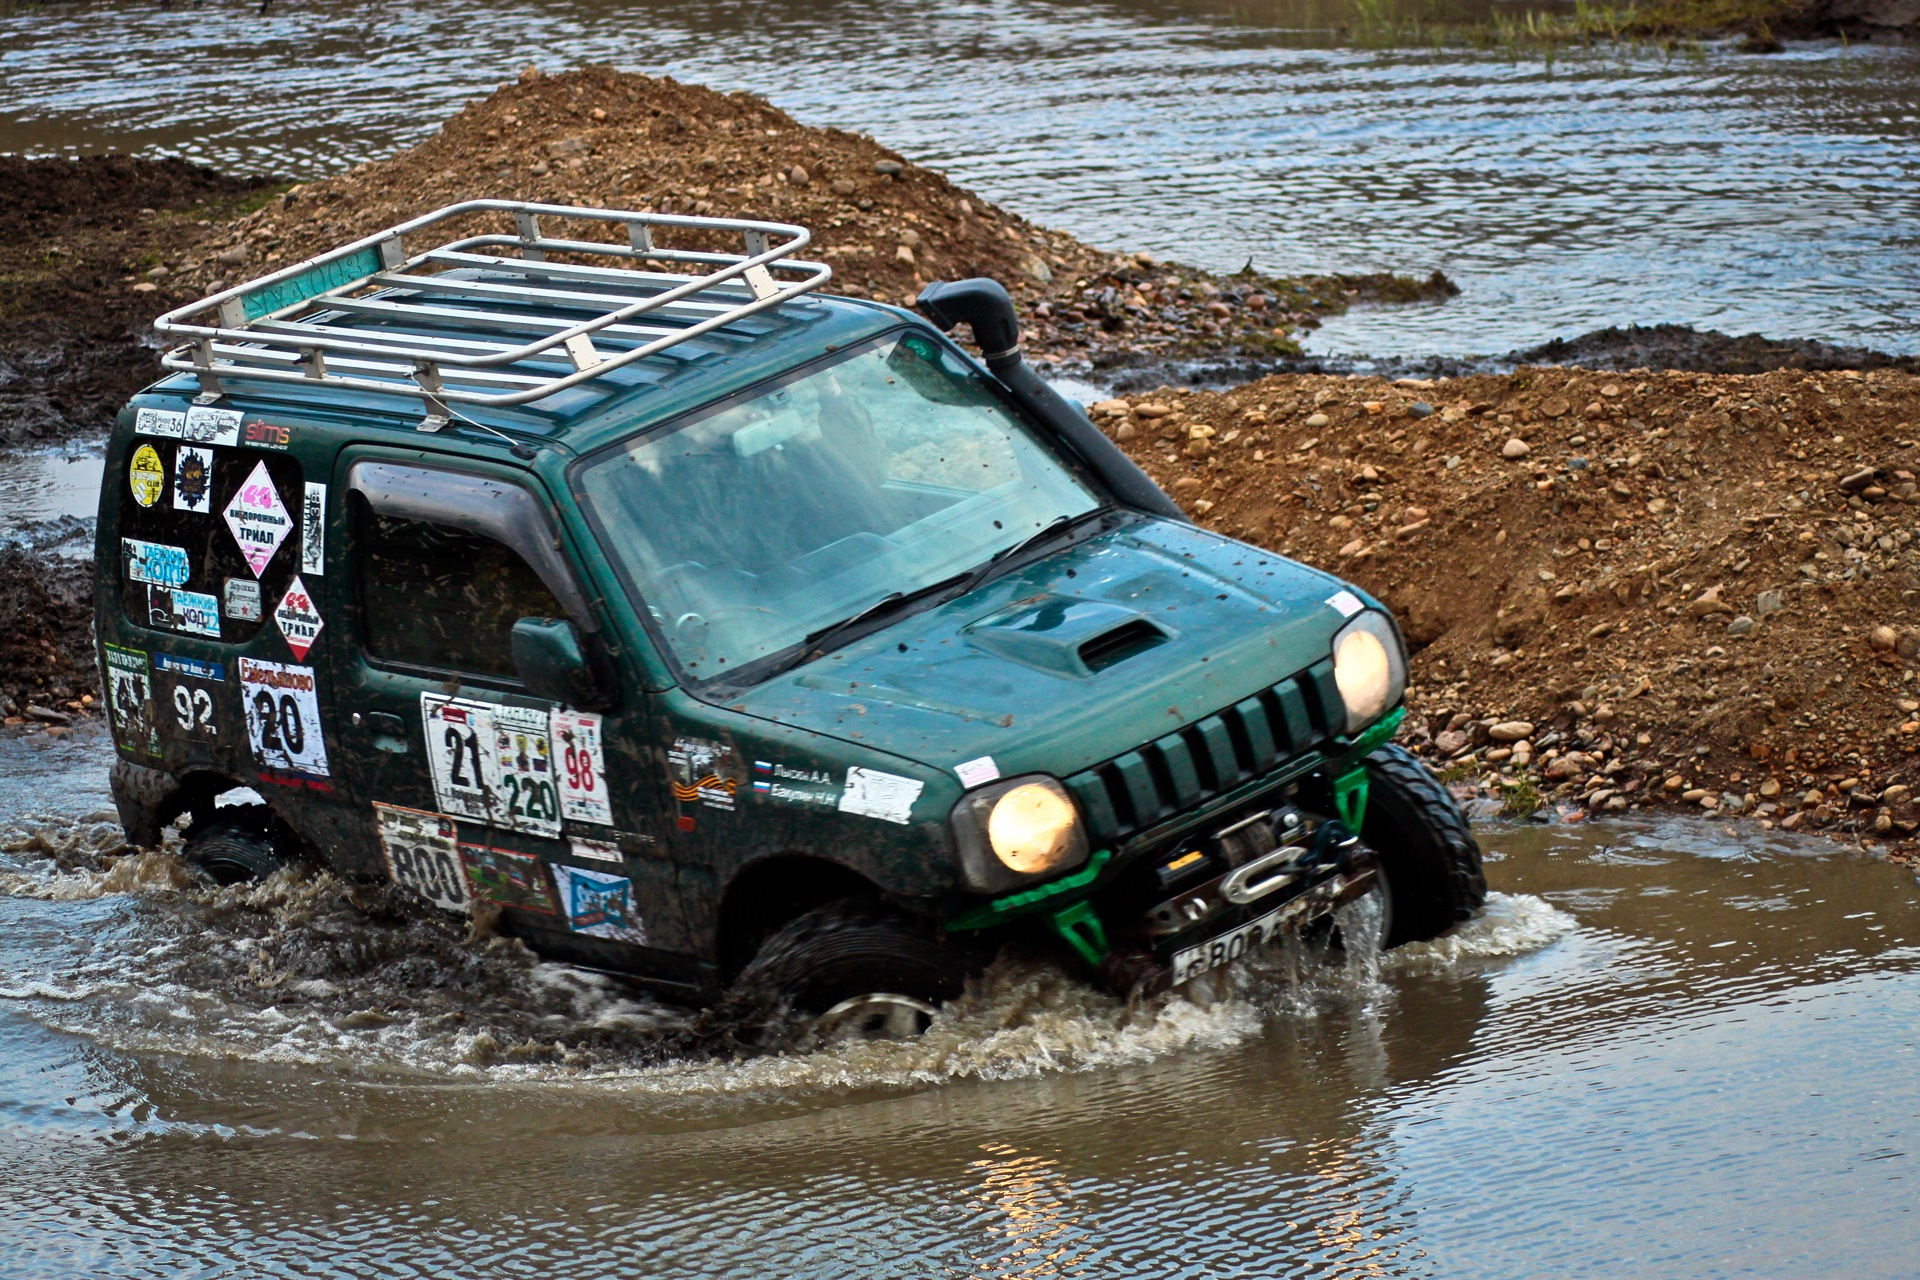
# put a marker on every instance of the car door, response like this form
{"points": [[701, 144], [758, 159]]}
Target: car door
{"points": [[483, 795]]}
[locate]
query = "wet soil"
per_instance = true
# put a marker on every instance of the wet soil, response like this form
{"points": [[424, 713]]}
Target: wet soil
{"points": [[90, 251], [1622, 589], [47, 665]]}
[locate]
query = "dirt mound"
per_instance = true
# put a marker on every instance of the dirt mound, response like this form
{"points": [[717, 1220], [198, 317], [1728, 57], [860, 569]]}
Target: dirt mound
{"points": [[46, 637], [1682, 347], [89, 252], [611, 139], [1622, 588]]}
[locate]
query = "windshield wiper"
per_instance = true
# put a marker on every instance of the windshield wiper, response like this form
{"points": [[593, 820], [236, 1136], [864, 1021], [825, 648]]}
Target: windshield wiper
{"points": [[1001, 558], [818, 642]]}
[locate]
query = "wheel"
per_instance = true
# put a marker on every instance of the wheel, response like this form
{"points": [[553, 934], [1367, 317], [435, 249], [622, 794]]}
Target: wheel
{"points": [[1429, 861], [859, 969], [234, 846]]}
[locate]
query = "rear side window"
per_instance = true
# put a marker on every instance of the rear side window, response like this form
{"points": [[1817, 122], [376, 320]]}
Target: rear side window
{"points": [[442, 598], [211, 537]]}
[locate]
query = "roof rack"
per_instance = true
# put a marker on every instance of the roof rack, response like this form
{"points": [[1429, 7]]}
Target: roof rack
{"points": [[529, 310]]}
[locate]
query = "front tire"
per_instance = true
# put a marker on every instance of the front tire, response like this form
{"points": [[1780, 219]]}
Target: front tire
{"points": [[1429, 861], [867, 970], [235, 846]]}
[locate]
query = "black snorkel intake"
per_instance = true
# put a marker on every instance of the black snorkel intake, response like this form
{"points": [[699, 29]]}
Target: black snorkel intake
{"points": [[984, 306]]}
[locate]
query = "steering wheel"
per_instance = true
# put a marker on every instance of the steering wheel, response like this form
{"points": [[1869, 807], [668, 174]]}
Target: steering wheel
{"points": [[716, 613]]}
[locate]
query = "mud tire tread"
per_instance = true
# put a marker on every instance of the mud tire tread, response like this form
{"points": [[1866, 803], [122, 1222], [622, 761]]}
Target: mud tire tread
{"points": [[818, 958], [235, 846], [1424, 845]]}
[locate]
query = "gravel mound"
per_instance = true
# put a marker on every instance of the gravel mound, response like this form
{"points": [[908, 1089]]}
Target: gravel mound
{"points": [[1623, 589]]}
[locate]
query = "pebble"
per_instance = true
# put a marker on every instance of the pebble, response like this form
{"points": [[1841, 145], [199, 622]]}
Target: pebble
{"points": [[1883, 639], [1151, 409], [1511, 730], [1515, 448], [1318, 420], [1420, 409], [1740, 626], [844, 186], [892, 168], [798, 176], [1769, 602]]}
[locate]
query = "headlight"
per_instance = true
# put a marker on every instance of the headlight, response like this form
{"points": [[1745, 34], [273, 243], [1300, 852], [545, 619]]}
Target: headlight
{"points": [[1016, 831], [1370, 668]]}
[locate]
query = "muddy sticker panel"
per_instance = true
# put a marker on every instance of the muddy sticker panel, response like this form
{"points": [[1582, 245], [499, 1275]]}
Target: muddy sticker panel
{"points": [[193, 612], [158, 422], [298, 618], [283, 717], [313, 530], [874, 794], [523, 768], [508, 878], [187, 690], [596, 850], [583, 768], [600, 905], [241, 599], [146, 475], [704, 772], [423, 854], [790, 784], [130, 700], [193, 479], [491, 763], [258, 519]]}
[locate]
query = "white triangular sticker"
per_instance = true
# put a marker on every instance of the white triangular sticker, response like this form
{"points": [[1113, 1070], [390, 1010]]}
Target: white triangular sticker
{"points": [[298, 618], [259, 519]]}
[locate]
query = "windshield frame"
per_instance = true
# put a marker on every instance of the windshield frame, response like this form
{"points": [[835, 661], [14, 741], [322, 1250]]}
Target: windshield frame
{"points": [[777, 662]]}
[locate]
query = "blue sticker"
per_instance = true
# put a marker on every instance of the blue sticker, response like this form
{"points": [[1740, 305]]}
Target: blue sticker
{"points": [[600, 905], [189, 667], [196, 613], [154, 563]]}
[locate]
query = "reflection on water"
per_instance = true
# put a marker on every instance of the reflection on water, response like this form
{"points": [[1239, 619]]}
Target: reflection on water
{"points": [[1772, 194], [1667, 1050]]}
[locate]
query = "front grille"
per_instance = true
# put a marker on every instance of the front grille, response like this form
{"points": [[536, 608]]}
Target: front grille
{"points": [[1234, 745]]}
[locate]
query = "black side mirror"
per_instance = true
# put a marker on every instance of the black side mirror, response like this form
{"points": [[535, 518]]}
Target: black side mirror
{"points": [[551, 663]]}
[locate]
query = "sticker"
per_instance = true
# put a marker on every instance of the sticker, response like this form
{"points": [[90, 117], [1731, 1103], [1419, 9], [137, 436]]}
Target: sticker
{"points": [[873, 794], [259, 520], [158, 422], [423, 854], [130, 700], [147, 475], [264, 435], [211, 426], [298, 618], [192, 703], [1346, 602], [508, 878], [596, 850], [192, 479], [975, 772], [192, 612], [775, 781], [283, 717], [703, 771], [313, 530], [600, 905], [154, 562], [583, 768], [242, 599], [523, 764], [491, 763]]}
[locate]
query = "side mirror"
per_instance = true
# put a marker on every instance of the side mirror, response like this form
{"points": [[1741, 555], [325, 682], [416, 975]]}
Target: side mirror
{"points": [[548, 656]]}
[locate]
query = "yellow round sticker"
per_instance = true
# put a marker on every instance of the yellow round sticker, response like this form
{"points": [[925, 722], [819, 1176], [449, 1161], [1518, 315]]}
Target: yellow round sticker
{"points": [[147, 476]]}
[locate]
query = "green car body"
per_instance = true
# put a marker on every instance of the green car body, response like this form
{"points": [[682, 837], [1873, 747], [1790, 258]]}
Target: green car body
{"points": [[1169, 677]]}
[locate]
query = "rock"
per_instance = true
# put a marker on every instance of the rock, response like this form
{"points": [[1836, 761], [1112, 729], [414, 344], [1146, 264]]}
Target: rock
{"points": [[1909, 646], [1318, 420], [1740, 626], [1769, 602], [1557, 407], [844, 186], [146, 286], [1354, 548], [48, 714], [1858, 480], [234, 257], [1036, 269], [798, 176], [1563, 769], [1203, 506], [1696, 795], [1186, 484], [567, 147], [1709, 603], [1895, 794], [1731, 803], [1883, 639], [1510, 730], [892, 168], [1124, 431], [1515, 448], [904, 254], [1658, 507], [1770, 788], [1151, 409], [1450, 742], [1811, 799], [1675, 783], [1420, 409]]}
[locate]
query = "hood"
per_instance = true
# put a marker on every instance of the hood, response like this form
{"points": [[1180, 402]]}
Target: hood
{"points": [[1071, 659]]}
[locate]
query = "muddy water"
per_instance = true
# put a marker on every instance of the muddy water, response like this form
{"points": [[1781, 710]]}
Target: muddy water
{"points": [[1772, 194], [1664, 1051]]}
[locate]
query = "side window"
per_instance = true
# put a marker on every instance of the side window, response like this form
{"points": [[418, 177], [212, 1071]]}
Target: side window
{"points": [[211, 536], [443, 598]]}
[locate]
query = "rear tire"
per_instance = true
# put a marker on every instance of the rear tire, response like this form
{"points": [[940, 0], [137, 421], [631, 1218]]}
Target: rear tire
{"points": [[1429, 861], [871, 969], [235, 846]]}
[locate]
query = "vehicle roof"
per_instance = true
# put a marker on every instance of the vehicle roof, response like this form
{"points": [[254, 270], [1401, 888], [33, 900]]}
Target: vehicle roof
{"points": [[600, 410]]}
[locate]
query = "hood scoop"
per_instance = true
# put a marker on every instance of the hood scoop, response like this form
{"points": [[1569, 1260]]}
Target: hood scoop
{"points": [[1062, 636]]}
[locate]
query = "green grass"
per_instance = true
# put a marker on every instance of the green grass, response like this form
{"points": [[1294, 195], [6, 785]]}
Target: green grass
{"points": [[1521, 799]]}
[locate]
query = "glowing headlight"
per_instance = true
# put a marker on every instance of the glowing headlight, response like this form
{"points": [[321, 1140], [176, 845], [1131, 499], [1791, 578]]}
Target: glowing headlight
{"points": [[1369, 667], [1015, 831]]}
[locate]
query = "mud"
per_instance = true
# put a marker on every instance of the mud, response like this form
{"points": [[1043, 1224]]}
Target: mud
{"points": [[47, 662], [1623, 590], [90, 251]]}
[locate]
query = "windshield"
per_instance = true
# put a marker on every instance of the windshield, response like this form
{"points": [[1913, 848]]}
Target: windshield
{"points": [[749, 526]]}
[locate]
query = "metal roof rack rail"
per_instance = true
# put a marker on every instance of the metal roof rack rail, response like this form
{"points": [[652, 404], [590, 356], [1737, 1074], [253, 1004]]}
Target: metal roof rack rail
{"points": [[525, 337]]}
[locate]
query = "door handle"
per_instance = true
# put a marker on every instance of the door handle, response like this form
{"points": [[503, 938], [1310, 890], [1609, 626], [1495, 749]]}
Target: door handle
{"points": [[385, 722], [389, 731]]}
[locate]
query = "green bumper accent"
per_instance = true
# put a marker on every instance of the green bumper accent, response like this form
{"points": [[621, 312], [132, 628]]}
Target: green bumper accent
{"points": [[1080, 928], [1350, 787], [1003, 909]]}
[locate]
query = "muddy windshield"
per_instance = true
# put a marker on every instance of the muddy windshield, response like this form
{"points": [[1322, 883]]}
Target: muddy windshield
{"points": [[755, 524]]}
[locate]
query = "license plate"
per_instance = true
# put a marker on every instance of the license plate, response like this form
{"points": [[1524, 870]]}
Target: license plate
{"points": [[1226, 948]]}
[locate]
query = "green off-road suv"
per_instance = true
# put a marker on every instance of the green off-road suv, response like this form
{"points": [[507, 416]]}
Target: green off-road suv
{"points": [[702, 627]]}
